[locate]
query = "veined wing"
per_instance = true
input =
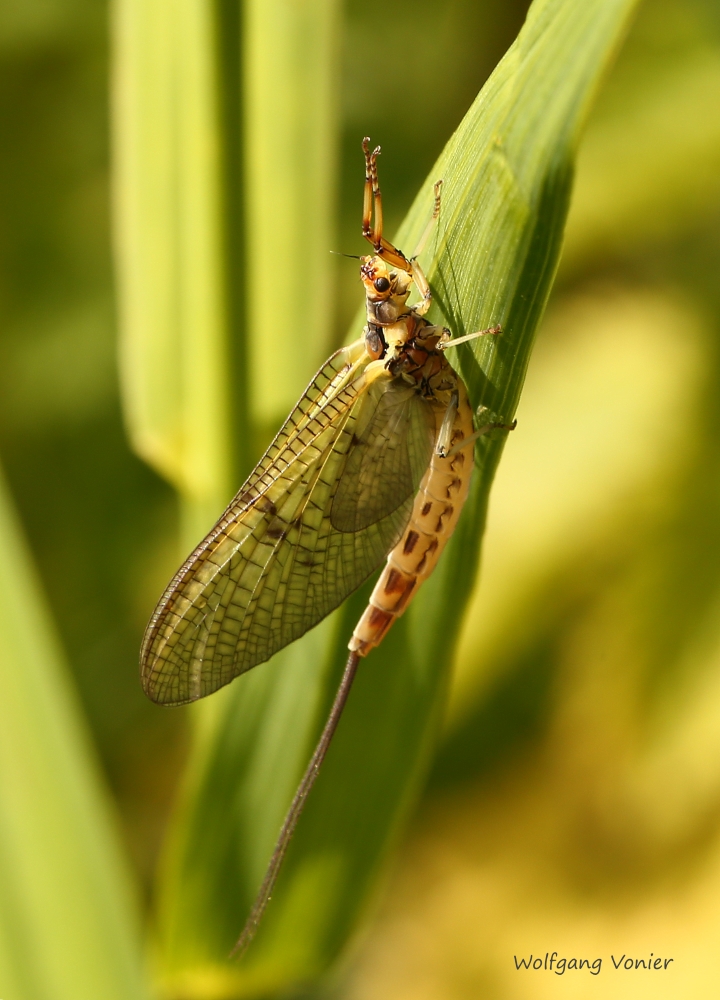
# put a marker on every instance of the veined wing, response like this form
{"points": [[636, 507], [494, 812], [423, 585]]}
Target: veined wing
{"points": [[318, 403], [392, 447], [274, 565]]}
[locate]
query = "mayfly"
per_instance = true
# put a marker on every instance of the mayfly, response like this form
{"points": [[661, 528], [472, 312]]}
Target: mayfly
{"points": [[372, 465]]}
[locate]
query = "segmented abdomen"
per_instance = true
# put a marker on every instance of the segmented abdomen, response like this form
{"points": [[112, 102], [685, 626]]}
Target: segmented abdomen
{"points": [[435, 513]]}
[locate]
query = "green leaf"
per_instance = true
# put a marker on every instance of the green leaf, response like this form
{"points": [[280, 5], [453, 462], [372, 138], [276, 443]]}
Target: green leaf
{"points": [[67, 923], [219, 193], [507, 174], [173, 275], [290, 77]]}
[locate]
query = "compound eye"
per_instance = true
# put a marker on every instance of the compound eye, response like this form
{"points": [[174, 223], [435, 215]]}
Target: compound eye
{"points": [[381, 284]]}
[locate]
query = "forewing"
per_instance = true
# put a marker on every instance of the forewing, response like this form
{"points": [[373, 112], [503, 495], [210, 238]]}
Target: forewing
{"points": [[274, 565], [390, 452]]}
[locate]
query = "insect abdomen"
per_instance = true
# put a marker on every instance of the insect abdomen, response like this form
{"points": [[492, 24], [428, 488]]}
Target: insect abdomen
{"points": [[435, 513]]}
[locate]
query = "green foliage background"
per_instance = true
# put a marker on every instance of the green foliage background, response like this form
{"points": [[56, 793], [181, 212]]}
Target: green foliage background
{"points": [[592, 637]]}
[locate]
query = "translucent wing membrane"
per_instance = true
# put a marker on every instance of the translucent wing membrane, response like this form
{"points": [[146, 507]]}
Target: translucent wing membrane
{"points": [[388, 458], [284, 553]]}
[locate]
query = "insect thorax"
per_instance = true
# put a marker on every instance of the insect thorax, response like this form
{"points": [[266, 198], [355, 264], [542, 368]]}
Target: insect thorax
{"points": [[409, 349]]}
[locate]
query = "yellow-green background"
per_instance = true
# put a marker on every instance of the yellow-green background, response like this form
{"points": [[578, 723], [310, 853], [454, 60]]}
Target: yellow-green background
{"points": [[574, 805]]}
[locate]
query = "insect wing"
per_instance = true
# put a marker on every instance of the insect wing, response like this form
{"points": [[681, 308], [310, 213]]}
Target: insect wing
{"points": [[274, 565], [392, 447]]}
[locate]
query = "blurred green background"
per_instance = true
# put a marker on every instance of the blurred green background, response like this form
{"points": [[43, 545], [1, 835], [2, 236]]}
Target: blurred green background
{"points": [[575, 801]]}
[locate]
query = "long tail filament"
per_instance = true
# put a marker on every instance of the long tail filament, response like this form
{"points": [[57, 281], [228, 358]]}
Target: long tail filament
{"points": [[296, 807]]}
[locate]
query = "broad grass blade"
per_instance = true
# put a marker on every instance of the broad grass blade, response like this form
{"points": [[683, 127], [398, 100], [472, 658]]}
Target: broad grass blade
{"points": [[173, 272], [507, 174], [290, 93], [67, 926], [225, 164]]}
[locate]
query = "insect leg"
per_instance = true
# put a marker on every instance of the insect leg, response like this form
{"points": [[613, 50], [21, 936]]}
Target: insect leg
{"points": [[422, 285], [431, 222], [442, 445], [485, 429], [443, 344], [372, 201], [421, 282], [296, 806], [372, 228]]}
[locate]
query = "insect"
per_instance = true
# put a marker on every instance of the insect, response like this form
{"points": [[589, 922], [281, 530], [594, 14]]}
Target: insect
{"points": [[372, 465]]}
